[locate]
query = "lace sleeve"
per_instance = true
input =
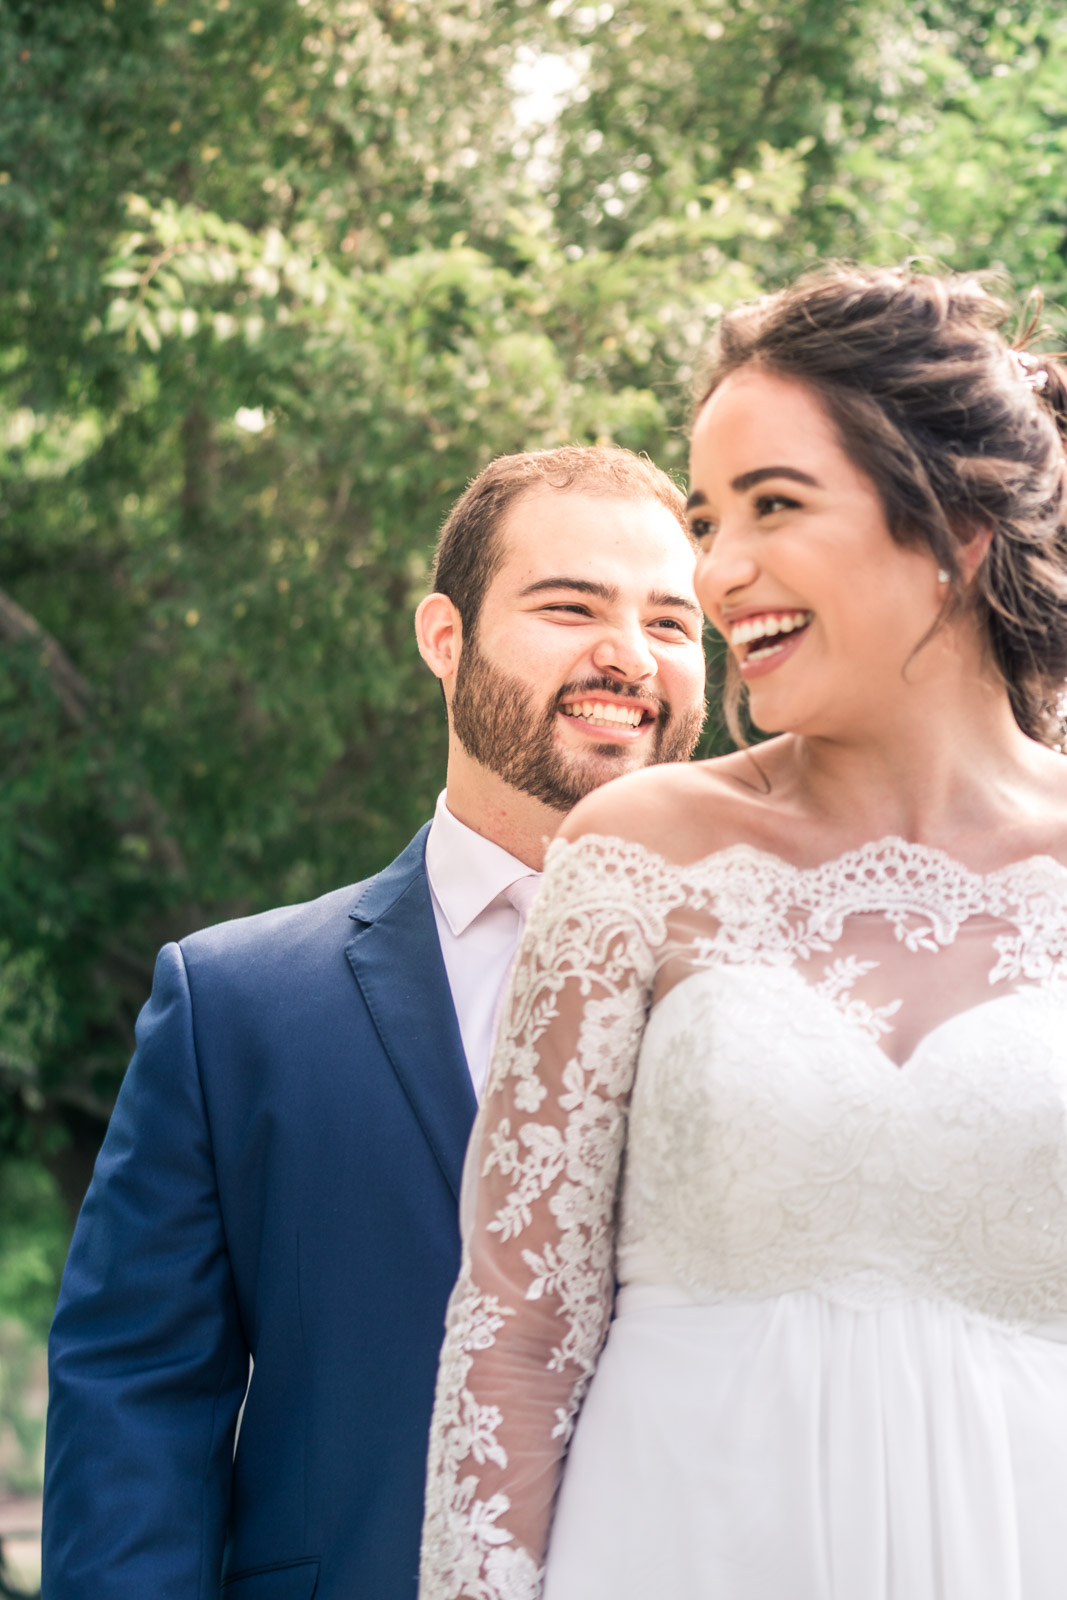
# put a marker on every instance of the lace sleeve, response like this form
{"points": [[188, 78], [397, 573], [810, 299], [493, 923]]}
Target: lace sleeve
{"points": [[530, 1310]]}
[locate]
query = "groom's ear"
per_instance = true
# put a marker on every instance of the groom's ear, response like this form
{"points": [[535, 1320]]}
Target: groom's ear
{"points": [[439, 632]]}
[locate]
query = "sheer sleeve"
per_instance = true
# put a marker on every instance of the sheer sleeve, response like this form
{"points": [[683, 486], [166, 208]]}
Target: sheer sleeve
{"points": [[531, 1307]]}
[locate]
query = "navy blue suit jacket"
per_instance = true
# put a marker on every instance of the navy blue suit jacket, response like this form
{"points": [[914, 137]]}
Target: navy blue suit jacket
{"points": [[280, 1180]]}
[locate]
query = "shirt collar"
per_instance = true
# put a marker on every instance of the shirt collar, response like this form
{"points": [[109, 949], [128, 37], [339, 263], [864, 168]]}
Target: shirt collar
{"points": [[466, 872]]}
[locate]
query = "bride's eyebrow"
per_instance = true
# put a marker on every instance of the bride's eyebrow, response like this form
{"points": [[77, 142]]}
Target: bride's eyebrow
{"points": [[748, 480]]}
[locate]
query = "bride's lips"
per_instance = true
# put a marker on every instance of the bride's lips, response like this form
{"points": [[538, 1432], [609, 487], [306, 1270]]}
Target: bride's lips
{"points": [[763, 639], [608, 719]]}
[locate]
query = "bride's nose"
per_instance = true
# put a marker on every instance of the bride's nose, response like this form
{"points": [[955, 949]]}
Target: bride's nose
{"points": [[727, 566]]}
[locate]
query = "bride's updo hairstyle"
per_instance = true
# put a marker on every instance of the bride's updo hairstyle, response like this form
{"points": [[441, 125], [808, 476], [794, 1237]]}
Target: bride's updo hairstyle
{"points": [[957, 431]]}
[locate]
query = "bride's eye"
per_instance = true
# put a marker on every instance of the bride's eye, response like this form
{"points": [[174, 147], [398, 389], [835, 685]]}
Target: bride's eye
{"points": [[703, 530], [768, 504]]}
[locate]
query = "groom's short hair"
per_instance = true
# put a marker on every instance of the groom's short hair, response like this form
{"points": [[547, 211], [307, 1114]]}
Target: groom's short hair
{"points": [[469, 546]]}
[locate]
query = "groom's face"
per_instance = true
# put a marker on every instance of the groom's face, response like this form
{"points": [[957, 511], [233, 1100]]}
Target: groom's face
{"points": [[586, 659]]}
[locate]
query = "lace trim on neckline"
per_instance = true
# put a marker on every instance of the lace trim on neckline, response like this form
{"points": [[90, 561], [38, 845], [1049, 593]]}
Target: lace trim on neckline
{"points": [[883, 860]]}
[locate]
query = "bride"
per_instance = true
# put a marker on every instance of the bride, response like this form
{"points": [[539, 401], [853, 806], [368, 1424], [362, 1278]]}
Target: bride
{"points": [[783, 1079]]}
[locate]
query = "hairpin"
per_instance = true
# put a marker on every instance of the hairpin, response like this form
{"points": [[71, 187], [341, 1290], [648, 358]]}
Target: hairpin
{"points": [[1028, 369]]}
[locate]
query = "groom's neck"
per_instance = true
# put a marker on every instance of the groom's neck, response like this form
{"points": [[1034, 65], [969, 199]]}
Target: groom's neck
{"points": [[518, 823]]}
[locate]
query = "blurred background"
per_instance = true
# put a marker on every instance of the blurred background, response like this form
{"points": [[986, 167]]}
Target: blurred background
{"points": [[276, 278]]}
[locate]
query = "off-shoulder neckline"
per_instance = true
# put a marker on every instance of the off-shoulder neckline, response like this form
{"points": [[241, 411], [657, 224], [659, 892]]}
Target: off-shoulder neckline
{"points": [[890, 849]]}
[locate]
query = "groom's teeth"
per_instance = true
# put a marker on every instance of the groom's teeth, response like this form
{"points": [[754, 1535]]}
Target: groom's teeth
{"points": [[604, 713]]}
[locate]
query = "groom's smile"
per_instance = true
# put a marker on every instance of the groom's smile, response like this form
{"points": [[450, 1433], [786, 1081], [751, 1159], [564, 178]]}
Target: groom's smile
{"points": [[596, 714]]}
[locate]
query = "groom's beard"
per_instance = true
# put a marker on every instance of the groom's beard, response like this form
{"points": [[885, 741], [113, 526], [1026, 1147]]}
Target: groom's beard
{"points": [[499, 723]]}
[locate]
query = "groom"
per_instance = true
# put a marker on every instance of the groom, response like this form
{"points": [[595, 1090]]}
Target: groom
{"points": [[279, 1179]]}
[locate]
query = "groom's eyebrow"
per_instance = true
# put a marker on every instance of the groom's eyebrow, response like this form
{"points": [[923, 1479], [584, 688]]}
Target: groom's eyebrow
{"points": [[603, 591], [675, 602], [608, 592]]}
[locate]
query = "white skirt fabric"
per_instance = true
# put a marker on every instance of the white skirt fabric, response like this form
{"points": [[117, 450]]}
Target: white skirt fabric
{"points": [[795, 1449]]}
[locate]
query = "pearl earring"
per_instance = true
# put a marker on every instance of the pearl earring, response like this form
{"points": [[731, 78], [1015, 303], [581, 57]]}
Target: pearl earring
{"points": [[942, 575]]}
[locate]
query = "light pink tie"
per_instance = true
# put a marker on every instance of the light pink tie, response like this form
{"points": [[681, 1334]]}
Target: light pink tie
{"points": [[521, 895]]}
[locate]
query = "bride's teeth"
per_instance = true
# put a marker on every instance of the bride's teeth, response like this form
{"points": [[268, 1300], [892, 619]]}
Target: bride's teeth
{"points": [[768, 627]]}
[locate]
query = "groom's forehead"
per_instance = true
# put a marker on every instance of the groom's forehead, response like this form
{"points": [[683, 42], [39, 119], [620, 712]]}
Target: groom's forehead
{"points": [[544, 524], [602, 542]]}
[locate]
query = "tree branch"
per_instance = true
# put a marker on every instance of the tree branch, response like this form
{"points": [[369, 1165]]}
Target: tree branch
{"points": [[75, 696], [71, 689]]}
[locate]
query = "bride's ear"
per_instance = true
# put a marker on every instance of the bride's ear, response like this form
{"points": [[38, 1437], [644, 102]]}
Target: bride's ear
{"points": [[971, 550], [439, 633]]}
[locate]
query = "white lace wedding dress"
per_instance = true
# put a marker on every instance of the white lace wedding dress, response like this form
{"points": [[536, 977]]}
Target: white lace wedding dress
{"points": [[814, 1123]]}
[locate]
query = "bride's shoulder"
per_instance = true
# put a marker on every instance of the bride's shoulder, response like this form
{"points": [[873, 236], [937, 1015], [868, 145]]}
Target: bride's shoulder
{"points": [[682, 811]]}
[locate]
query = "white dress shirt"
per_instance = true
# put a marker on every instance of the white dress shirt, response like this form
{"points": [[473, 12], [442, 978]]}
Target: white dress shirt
{"points": [[478, 928]]}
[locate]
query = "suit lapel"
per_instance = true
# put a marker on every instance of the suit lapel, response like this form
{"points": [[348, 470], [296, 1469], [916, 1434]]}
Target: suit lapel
{"points": [[396, 958]]}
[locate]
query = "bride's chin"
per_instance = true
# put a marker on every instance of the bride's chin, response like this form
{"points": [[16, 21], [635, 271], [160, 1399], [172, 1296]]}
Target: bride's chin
{"points": [[768, 718], [793, 706]]}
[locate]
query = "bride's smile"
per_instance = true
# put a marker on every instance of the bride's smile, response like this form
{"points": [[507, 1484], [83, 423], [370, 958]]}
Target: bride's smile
{"points": [[763, 639]]}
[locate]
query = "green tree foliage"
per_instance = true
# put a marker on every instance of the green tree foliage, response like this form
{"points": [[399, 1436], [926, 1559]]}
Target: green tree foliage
{"points": [[278, 276], [934, 128]]}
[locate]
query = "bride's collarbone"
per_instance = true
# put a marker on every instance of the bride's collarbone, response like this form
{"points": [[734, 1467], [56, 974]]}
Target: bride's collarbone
{"points": [[783, 821]]}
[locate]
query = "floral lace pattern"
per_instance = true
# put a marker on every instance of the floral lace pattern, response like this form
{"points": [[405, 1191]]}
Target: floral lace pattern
{"points": [[585, 973], [770, 1143]]}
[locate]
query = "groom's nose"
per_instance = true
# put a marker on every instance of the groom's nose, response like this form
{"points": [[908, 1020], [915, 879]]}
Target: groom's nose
{"points": [[624, 651]]}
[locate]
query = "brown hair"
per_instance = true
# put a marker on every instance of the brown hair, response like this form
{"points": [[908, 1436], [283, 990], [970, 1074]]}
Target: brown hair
{"points": [[469, 547], [955, 429]]}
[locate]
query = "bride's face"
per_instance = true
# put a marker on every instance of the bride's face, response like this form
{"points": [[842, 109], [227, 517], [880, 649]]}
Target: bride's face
{"points": [[820, 607]]}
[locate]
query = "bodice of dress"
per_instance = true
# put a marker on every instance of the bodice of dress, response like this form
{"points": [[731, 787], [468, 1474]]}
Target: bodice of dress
{"points": [[727, 1081]]}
